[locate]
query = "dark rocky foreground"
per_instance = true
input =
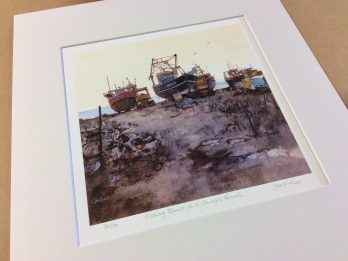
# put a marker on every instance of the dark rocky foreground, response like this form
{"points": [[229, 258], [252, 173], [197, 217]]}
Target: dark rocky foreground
{"points": [[167, 154]]}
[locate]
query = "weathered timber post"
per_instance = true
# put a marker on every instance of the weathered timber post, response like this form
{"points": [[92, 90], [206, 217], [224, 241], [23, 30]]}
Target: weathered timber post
{"points": [[100, 140], [250, 118]]}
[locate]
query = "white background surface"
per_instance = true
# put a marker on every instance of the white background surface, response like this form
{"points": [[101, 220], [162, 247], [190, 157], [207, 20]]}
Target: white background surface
{"points": [[307, 226]]}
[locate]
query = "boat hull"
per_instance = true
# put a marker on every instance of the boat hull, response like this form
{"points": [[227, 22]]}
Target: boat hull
{"points": [[230, 83], [233, 80], [123, 104], [180, 84]]}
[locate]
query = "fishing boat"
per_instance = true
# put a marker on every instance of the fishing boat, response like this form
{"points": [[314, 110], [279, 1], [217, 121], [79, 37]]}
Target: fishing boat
{"points": [[233, 76], [237, 77], [169, 79], [128, 97], [122, 98], [205, 82]]}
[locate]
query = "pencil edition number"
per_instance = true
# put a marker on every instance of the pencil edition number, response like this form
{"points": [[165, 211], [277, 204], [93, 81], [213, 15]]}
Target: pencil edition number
{"points": [[111, 226]]}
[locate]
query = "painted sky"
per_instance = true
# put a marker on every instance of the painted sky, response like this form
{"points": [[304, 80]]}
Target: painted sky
{"points": [[210, 48]]}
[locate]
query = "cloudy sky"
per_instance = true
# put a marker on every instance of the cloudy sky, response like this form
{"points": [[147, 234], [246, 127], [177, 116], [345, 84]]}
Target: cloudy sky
{"points": [[211, 48]]}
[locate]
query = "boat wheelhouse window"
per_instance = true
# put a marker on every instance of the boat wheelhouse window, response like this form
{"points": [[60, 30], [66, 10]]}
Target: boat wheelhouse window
{"points": [[165, 77]]}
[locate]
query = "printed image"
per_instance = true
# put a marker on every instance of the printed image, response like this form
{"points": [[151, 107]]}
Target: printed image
{"points": [[175, 118]]}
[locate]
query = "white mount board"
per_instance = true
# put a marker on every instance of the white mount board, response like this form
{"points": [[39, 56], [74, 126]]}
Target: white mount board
{"points": [[307, 226]]}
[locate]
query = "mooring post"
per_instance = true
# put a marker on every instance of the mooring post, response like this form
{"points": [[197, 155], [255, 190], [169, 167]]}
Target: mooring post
{"points": [[100, 140], [250, 118]]}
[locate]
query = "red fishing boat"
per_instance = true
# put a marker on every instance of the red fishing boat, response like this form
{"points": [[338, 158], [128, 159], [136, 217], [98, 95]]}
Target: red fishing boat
{"points": [[122, 98]]}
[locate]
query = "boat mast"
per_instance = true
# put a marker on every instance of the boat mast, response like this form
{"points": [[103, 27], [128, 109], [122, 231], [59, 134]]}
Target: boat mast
{"points": [[152, 71], [176, 60], [107, 79]]}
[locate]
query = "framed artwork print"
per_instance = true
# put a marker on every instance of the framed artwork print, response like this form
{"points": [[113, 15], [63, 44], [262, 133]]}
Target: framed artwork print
{"points": [[139, 135], [175, 124]]}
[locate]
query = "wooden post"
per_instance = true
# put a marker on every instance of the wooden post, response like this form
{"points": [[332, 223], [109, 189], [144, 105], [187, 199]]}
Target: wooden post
{"points": [[250, 118], [100, 140]]}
